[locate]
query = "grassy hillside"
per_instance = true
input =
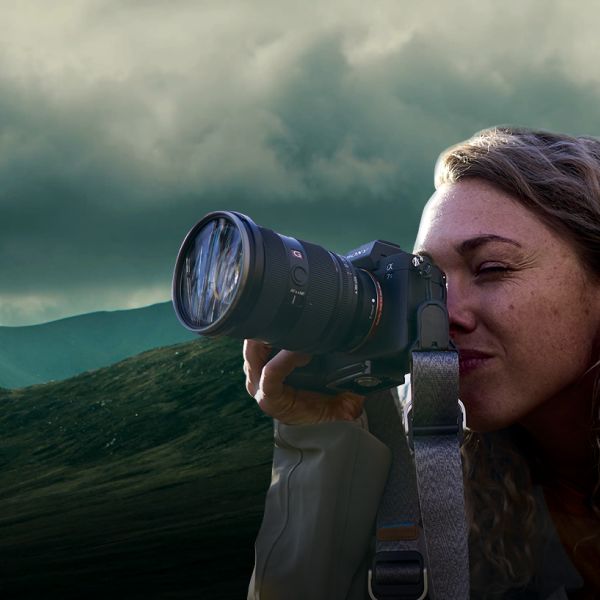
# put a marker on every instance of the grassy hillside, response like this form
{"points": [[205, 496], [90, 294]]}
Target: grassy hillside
{"points": [[61, 349], [142, 480]]}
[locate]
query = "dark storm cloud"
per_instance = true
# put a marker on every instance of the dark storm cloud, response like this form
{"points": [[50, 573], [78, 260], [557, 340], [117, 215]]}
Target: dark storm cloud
{"points": [[317, 128]]}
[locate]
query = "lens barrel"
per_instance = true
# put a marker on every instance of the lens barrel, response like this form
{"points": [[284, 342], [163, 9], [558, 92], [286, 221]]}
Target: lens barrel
{"points": [[235, 278]]}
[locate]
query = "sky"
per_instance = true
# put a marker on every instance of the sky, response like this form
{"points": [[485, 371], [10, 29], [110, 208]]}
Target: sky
{"points": [[123, 122]]}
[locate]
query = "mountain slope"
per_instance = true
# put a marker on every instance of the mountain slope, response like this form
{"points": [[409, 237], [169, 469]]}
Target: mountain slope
{"points": [[141, 480], [63, 348]]}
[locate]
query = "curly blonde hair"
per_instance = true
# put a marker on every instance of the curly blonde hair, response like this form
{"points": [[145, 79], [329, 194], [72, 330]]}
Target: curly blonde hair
{"points": [[557, 177]]}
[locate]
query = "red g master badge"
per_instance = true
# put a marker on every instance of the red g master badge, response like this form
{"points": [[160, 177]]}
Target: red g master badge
{"points": [[297, 254]]}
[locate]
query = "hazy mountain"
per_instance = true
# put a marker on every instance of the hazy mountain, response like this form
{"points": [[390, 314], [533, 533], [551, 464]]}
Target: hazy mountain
{"points": [[143, 480], [61, 349]]}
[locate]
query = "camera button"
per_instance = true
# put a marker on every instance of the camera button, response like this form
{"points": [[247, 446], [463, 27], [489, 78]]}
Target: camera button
{"points": [[299, 275]]}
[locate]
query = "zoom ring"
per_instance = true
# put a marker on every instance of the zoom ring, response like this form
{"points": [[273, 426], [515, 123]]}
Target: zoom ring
{"points": [[320, 304]]}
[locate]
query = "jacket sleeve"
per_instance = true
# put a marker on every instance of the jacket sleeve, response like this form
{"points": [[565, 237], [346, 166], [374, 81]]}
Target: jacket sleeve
{"points": [[326, 483]]}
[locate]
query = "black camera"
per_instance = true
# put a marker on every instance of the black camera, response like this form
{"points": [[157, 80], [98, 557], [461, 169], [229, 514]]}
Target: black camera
{"points": [[361, 314]]}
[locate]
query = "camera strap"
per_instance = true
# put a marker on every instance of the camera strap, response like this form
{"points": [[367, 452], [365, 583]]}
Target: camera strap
{"points": [[421, 548]]}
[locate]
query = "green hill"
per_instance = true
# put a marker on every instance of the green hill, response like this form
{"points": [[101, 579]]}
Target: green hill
{"points": [[142, 480], [63, 348]]}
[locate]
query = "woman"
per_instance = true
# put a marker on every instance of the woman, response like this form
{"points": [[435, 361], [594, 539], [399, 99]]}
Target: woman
{"points": [[515, 225]]}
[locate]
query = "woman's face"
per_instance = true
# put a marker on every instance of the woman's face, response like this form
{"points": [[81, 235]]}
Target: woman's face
{"points": [[523, 313]]}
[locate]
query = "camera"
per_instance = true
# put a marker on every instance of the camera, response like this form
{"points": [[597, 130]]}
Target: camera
{"points": [[360, 314]]}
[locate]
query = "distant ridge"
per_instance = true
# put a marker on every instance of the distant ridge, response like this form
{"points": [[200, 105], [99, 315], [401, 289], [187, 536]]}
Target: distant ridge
{"points": [[60, 349]]}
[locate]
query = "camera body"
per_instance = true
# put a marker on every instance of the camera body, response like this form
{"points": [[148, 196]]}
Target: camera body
{"points": [[413, 317]]}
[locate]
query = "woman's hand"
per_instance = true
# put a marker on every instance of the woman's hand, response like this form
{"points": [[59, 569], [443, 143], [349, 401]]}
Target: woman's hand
{"points": [[264, 381]]}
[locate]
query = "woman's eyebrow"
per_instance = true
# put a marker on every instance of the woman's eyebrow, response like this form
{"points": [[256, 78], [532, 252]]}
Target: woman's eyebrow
{"points": [[473, 243]]}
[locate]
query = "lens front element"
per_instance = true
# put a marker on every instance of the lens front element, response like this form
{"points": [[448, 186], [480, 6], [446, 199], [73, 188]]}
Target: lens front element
{"points": [[211, 272]]}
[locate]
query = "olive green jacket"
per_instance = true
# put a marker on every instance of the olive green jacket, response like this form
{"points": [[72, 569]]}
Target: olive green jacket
{"points": [[317, 532]]}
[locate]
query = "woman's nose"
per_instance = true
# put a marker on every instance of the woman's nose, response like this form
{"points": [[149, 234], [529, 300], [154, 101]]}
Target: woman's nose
{"points": [[461, 310]]}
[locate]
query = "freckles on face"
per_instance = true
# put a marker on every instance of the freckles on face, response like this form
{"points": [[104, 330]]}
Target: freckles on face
{"points": [[516, 291]]}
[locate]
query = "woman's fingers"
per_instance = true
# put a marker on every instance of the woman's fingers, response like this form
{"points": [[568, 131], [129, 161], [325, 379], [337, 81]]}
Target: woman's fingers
{"points": [[256, 354], [265, 376], [278, 368], [276, 398]]}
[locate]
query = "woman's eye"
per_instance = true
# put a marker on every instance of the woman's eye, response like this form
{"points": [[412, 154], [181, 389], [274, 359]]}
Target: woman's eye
{"points": [[491, 269]]}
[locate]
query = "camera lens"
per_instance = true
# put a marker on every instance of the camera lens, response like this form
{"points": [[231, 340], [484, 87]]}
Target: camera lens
{"points": [[235, 278]]}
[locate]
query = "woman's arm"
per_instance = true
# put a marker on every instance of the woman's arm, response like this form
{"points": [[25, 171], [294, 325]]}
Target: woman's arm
{"points": [[319, 513]]}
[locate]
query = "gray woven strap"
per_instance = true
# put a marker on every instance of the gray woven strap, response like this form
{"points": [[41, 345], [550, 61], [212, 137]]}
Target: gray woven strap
{"points": [[422, 508], [398, 524], [435, 427]]}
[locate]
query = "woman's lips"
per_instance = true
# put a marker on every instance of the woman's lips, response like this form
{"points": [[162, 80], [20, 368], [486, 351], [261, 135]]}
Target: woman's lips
{"points": [[471, 360]]}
